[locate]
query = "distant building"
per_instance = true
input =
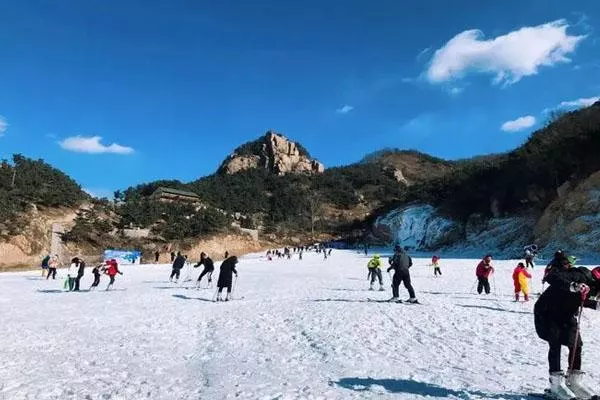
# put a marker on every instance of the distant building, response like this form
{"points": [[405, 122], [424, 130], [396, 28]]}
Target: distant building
{"points": [[169, 195]]}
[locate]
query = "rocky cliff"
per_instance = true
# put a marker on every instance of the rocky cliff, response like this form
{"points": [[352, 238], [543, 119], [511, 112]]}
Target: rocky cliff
{"points": [[274, 153]]}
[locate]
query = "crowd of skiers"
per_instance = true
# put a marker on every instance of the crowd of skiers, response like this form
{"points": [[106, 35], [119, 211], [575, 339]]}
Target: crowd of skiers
{"points": [[76, 271]]}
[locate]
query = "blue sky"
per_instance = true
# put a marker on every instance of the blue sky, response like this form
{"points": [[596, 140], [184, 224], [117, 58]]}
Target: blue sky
{"points": [[118, 93]]}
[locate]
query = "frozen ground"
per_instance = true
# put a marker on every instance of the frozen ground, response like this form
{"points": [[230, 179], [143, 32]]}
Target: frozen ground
{"points": [[303, 330]]}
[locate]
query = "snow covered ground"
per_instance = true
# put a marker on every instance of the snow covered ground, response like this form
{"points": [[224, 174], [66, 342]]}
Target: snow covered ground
{"points": [[303, 330]]}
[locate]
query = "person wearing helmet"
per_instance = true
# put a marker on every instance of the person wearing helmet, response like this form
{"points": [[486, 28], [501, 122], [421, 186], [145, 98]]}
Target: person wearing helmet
{"points": [[556, 261], [374, 267], [400, 262], [555, 316]]}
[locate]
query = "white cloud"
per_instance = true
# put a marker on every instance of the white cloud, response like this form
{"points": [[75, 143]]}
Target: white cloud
{"points": [[3, 125], [92, 145], [456, 90], [508, 57], [583, 102], [345, 109], [518, 124]]}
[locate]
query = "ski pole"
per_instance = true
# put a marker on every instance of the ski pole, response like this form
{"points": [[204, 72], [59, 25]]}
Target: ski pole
{"points": [[234, 284], [473, 287], [215, 295], [576, 341]]}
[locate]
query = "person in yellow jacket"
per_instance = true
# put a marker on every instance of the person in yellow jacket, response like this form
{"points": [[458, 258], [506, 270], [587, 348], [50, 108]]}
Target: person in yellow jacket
{"points": [[520, 276], [374, 266]]}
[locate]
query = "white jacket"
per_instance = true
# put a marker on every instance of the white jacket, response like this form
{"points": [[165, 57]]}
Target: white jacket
{"points": [[73, 268]]}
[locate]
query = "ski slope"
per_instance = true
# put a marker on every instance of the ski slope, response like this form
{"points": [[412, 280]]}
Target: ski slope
{"points": [[303, 330]]}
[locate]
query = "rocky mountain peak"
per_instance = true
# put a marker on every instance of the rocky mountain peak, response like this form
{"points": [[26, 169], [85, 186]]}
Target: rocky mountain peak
{"points": [[274, 153]]}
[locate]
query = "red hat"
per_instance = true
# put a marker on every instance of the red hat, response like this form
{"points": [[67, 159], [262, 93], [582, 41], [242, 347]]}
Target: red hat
{"points": [[596, 273]]}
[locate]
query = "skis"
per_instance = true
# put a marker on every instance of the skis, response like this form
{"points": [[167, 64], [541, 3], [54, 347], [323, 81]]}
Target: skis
{"points": [[389, 301], [227, 301]]}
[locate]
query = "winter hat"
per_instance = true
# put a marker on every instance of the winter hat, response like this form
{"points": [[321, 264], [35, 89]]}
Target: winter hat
{"points": [[397, 248], [521, 265], [376, 256], [571, 260], [596, 273]]}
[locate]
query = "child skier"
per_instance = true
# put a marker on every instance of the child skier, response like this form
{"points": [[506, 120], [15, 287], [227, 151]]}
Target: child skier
{"points": [[96, 272], [520, 276], [112, 271], [209, 267], [435, 262], [225, 276], [374, 267], [52, 265], [555, 314]]}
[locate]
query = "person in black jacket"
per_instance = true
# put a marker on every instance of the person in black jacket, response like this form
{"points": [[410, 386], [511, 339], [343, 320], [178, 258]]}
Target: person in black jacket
{"points": [[178, 264], [209, 267], [400, 262], [80, 273], [96, 271], [225, 276], [555, 313]]}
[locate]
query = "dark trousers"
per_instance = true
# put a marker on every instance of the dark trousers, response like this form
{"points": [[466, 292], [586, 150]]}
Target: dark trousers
{"points": [[175, 273], [399, 277], [71, 283], [204, 272], [112, 280], [554, 356], [51, 271], [437, 271], [529, 262], [223, 287], [77, 280], [483, 283], [376, 274], [96, 281]]}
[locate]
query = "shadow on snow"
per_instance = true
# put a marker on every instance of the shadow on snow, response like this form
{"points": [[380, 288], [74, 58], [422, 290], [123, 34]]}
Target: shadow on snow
{"points": [[420, 388], [494, 309], [184, 297]]}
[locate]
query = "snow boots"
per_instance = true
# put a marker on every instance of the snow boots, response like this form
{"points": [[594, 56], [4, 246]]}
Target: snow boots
{"points": [[412, 300], [558, 388], [525, 297], [371, 287], [575, 383], [394, 300], [381, 288]]}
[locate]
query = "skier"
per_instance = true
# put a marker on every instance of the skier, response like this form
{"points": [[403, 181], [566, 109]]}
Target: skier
{"points": [[435, 262], [555, 314], [72, 273], [112, 271], [80, 272], [300, 253], [172, 256], [209, 267], [156, 256], [45, 262], [400, 262], [530, 253], [52, 265], [225, 278], [520, 276], [178, 264], [374, 266], [226, 255], [483, 272], [96, 272]]}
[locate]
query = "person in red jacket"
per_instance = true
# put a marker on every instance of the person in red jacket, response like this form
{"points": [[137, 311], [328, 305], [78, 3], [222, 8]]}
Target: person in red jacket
{"points": [[520, 276], [483, 272], [112, 270]]}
